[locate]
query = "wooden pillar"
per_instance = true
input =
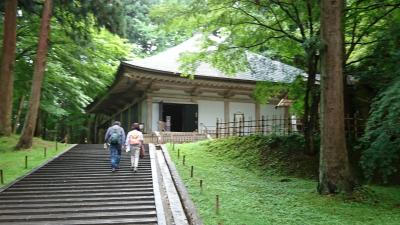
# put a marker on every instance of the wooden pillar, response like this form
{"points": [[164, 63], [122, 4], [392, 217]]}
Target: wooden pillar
{"points": [[129, 118], [149, 113], [226, 111], [226, 117], [139, 112]]}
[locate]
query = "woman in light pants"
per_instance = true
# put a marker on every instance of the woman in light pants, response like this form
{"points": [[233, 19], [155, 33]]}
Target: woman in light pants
{"points": [[134, 143]]}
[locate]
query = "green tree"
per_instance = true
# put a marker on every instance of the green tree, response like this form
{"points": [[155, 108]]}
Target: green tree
{"points": [[79, 12], [6, 67], [379, 74], [144, 32], [25, 140], [277, 29], [287, 30], [77, 71], [334, 171]]}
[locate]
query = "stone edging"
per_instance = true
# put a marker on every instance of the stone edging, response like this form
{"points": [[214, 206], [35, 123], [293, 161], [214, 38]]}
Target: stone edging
{"points": [[190, 209], [156, 188], [35, 169]]}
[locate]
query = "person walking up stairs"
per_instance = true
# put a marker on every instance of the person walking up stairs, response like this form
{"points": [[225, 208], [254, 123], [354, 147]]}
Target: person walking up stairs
{"points": [[134, 145]]}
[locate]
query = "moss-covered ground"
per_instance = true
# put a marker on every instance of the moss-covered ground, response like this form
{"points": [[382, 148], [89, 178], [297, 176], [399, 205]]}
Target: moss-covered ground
{"points": [[259, 185], [12, 162]]}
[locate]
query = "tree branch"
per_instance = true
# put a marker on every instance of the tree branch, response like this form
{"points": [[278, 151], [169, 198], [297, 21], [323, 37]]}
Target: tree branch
{"points": [[367, 29], [259, 43], [258, 22], [310, 20], [359, 60]]}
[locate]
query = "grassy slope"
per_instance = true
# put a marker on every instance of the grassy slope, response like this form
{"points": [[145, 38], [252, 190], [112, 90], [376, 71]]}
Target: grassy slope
{"points": [[251, 196], [13, 162]]}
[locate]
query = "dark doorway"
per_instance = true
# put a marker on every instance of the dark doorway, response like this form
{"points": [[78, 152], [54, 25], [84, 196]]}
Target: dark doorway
{"points": [[183, 116]]}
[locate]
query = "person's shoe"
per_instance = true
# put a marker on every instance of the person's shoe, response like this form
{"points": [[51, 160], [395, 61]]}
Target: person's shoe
{"points": [[113, 170], [132, 168], [135, 170]]}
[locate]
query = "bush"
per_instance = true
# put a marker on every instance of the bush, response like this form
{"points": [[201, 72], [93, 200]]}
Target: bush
{"points": [[381, 141]]}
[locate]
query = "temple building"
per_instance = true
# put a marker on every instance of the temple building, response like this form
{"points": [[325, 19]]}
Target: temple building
{"points": [[152, 92]]}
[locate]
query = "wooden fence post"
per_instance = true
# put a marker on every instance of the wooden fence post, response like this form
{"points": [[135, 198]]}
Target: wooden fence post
{"points": [[201, 185], [216, 129], [183, 160], [262, 124], [1, 177], [26, 162], [240, 126], [45, 152], [217, 204], [191, 172], [234, 126], [243, 124]]}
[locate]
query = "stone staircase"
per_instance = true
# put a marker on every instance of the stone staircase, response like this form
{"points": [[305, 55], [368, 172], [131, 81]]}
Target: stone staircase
{"points": [[79, 188]]}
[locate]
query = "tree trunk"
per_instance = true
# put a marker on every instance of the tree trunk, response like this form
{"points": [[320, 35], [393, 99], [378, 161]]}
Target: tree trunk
{"points": [[18, 116], [38, 129], [7, 66], [25, 140], [334, 171], [311, 108]]}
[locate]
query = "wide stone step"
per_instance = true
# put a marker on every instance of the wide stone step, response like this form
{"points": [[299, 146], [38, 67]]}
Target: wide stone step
{"points": [[76, 191], [74, 182], [109, 178], [115, 221], [78, 199], [26, 205], [83, 183], [77, 215], [41, 211], [77, 195], [81, 187], [91, 175]]}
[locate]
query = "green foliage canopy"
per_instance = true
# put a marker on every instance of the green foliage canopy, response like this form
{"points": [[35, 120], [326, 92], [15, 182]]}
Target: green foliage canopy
{"points": [[77, 69], [380, 73]]}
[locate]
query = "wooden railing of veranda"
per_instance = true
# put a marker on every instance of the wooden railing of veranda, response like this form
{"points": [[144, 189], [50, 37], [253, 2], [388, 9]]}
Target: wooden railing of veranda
{"points": [[277, 125]]}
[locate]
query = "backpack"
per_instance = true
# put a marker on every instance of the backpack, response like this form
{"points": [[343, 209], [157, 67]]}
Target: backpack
{"points": [[135, 138], [115, 138]]}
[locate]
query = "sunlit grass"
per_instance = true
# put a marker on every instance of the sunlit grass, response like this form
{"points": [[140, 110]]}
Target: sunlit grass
{"points": [[252, 197], [12, 162]]}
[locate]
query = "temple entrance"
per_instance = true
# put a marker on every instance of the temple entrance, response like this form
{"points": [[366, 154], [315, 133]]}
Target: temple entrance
{"points": [[179, 117]]}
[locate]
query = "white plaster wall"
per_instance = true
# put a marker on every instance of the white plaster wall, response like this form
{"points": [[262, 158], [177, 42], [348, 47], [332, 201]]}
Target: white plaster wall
{"points": [[248, 109], [209, 111], [154, 123], [270, 113]]}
